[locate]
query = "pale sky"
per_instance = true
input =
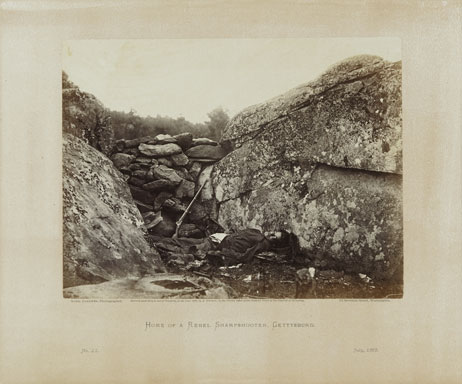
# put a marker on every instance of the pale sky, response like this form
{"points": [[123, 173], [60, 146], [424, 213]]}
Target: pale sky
{"points": [[189, 78]]}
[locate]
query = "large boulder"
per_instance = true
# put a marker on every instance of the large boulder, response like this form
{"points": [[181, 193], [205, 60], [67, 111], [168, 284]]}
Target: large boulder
{"points": [[103, 236], [323, 161]]}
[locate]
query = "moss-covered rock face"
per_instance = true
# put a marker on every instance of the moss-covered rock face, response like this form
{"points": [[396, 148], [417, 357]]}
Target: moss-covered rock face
{"points": [[103, 235], [323, 161]]}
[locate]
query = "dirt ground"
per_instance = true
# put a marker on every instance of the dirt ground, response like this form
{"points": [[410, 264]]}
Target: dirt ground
{"points": [[262, 279]]}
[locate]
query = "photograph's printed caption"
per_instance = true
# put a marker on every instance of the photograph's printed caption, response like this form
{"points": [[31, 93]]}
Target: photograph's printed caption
{"points": [[191, 325]]}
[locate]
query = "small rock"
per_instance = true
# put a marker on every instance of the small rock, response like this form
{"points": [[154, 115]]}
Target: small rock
{"points": [[136, 142], [184, 174], [206, 152], [190, 230], [160, 185], [364, 278], [143, 207], [174, 205], [180, 159], [195, 169], [122, 160], [204, 141], [160, 199], [143, 160], [165, 228], [166, 173], [136, 181], [153, 220], [160, 150], [204, 161], [165, 161], [247, 279], [164, 139], [184, 140], [140, 174], [185, 189], [132, 151], [141, 195], [134, 167]]}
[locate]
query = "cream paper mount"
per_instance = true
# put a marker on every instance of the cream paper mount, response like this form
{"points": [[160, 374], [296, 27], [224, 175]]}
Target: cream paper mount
{"points": [[47, 339]]}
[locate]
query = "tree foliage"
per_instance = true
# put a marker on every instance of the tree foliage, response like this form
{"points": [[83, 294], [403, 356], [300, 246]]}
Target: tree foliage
{"points": [[130, 125], [218, 120], [86, 117]]}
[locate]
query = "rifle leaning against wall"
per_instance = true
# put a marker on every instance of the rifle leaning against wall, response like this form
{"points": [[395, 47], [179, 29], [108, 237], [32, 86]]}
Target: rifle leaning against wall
{"points": [[181, 219]]}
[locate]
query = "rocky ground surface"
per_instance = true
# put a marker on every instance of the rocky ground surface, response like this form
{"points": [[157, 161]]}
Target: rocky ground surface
{"points": [[277, 281], [270, 276]]}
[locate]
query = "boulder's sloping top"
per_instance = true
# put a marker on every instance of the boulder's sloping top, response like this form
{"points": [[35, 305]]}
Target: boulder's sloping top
{"points": [[349, 117], [103, 234]]}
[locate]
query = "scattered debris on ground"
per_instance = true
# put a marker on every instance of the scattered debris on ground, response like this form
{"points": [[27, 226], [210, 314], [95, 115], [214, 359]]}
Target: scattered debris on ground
{"points": [[270, 276]]}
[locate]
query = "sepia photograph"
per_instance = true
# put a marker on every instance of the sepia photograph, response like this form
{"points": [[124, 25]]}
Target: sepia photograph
{"points": [[232, 169], [230, 191]]}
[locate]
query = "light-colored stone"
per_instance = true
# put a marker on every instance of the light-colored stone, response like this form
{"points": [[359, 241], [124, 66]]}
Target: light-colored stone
{"points": [[166, 173], [164, 139], [159, 150], [203, 141], [179, 160]]}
